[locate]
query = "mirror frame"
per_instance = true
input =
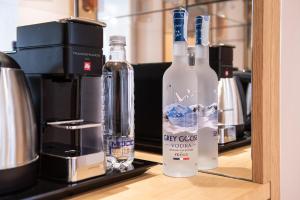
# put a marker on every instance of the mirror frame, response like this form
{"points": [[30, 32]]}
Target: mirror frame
{"points": [[266, 94]]}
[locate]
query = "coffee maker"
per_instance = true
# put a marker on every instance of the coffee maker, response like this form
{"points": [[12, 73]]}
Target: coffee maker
{"points": [[62, 61], [231, 98]]}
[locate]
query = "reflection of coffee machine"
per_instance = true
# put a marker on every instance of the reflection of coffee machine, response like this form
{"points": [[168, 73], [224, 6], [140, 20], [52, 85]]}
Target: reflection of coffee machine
{"points": [[231, 98], [63, 63]]}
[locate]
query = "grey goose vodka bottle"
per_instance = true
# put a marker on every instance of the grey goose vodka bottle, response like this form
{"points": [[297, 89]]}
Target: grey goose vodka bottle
{"points": [[180, 137], [207, 98]]}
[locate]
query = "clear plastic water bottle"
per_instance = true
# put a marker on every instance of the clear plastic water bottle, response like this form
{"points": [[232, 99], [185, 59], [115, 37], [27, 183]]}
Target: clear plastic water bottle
{"points": [[118, 108], [207, 98], [180, 130]]}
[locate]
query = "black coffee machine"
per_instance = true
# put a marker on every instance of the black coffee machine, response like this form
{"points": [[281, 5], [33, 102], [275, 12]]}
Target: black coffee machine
{"points": [[63, 64]]}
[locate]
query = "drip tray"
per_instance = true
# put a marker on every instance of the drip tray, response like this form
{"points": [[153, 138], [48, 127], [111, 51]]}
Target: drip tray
{"points": [[47, 189], [66, 150]]}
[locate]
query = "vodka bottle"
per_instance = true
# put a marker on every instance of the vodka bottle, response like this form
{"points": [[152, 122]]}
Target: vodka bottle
{"points": [[118, 108], [207, 98], [180, 137]]}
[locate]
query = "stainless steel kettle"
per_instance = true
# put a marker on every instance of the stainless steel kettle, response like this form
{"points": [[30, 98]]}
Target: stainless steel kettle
{"points": [[18, 131], [231, 116]]}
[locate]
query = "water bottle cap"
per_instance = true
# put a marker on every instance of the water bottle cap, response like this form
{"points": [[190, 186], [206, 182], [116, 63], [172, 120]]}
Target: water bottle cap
{"points": [[117, 39]]}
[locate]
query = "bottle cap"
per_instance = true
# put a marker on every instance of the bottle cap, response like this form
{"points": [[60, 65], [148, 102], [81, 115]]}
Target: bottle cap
{"points": [[179, 13], [117, 39], [202, 30], [180, 17]]}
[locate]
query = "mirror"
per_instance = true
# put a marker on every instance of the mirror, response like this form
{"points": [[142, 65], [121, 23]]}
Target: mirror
{"points": [[148, 28]]}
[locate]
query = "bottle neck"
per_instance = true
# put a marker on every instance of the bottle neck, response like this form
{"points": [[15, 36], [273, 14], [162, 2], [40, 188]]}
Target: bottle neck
{"points": [[180, 52], [202, 55], [117, 53]]}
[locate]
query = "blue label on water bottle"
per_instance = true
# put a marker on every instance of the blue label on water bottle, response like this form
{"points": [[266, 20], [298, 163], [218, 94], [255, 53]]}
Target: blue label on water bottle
{"points": [[121, 148], [122, 143]]}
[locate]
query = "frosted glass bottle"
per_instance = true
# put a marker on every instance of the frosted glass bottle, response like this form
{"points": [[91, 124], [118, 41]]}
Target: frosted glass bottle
{"points": [[207, 98], [180, 137]]}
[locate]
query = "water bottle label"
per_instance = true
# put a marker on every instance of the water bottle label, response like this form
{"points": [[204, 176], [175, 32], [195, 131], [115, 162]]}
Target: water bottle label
{"points": [[121, 149]]}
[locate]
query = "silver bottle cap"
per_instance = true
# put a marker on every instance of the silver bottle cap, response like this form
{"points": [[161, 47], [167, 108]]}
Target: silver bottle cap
{"points": [[117, 40]]}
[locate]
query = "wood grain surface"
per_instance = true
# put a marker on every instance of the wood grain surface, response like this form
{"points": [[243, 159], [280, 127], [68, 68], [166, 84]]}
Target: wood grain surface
{"points": [[266, 77], [154, 185], [235, 163]]}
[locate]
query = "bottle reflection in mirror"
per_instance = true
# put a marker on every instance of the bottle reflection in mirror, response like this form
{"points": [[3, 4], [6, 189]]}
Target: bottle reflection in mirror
{"points": [[207, 98]]}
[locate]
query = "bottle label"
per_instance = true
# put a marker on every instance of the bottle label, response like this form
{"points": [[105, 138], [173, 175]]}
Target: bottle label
{"points": [[208, 135], [121, 148], [202, 30], [180, 132], [180, 25], [208, 117], [182, 146], [180, 118]]}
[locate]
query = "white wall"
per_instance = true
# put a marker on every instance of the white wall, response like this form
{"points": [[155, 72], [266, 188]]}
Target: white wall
{"points": [[15, 13], [107, 10], [140, 31], [8, 21], [37, 11], [148, 34], [290, 100]]}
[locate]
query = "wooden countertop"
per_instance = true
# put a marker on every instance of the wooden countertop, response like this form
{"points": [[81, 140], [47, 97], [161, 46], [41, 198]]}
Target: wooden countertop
{"points": [[154, 185], [235, 163]]}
